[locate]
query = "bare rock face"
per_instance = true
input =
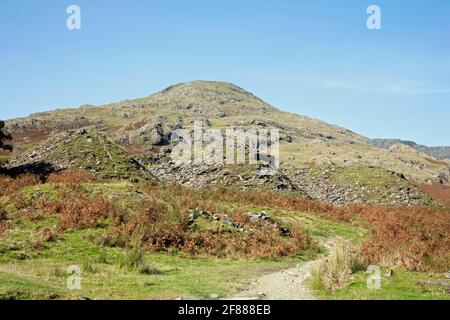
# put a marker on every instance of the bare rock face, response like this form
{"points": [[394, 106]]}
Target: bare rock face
{"points": [[206, 175], [149, 134]]}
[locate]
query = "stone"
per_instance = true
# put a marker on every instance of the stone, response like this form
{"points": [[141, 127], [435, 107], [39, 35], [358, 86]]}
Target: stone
{"points": [[127, 115], [389, 273]]}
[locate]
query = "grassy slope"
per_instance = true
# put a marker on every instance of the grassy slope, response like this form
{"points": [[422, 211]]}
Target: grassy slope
{"points": [[27, 272], [30, 273], [403, 285], [43, 274], [373, 182]]}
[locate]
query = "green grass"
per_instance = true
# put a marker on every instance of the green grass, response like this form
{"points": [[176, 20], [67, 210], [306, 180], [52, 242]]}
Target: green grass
{"points": [[32, 195], [403, 285], [124, 193], [318, 228], [92, 151], [30, 269], [30, 273], [44, 275]]}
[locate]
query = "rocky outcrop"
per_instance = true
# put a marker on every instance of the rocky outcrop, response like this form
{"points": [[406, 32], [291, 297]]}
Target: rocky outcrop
{"points": [[56, 124], [149, 134], [359, 185], [436, 152], [331, 184], [255, 217], [206, 175]]}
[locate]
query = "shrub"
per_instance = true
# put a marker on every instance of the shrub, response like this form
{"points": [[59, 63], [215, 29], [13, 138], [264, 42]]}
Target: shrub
{"points": [[415, 238], [335, 271], [259, 240], [4, 224], [261, 243], [157, 226], [82, 212], [439, 192], [12, 187], [135, 259], [49, 235], [117, 237], [71, 177], [285, 201], [161, 223]]}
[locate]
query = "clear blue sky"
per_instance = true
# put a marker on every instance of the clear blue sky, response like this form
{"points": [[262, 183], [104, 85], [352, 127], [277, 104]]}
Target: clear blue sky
{"points": [[310, 57]]}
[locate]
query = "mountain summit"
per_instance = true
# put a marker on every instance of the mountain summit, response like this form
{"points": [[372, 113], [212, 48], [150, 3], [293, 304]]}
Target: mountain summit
{"points": [[143, 128]]}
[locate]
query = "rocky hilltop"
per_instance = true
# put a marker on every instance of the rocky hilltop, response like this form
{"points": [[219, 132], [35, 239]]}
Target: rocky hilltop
{"points": [[317, 158], [436, 152]]}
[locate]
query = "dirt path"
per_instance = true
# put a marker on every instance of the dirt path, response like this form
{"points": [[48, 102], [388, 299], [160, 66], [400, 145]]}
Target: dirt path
{"points": [[288, 284]]}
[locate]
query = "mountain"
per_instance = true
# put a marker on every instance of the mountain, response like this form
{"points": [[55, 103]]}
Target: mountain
{"points": [[436, 152], [142, 127]]}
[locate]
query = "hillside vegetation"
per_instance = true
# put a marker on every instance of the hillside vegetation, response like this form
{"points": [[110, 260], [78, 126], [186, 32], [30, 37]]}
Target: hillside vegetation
{"points": [[94, 189], [143, 126], [160, 239]]}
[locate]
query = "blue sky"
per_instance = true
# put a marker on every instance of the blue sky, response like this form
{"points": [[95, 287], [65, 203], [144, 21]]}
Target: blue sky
{"points": [[315, 58]]}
